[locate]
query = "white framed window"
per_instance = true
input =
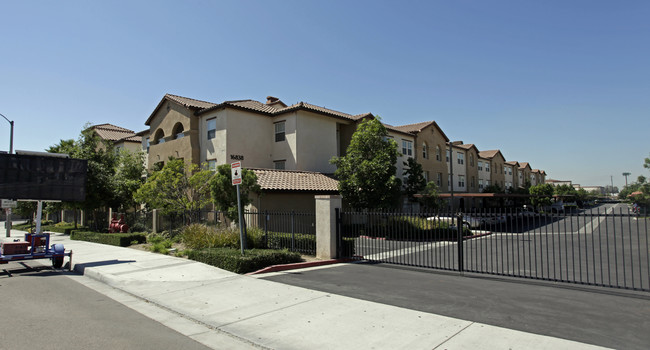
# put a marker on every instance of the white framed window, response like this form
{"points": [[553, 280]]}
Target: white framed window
{"points": [[212, 164], [448, 155], [480, 184], [212, 128], [461, 158], [487, 167], [439, 179], [407, 148], [461, 181], [279, 131], [280, 164], [480, 165]]}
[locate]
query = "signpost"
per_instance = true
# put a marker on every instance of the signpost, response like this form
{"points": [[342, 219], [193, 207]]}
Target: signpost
{"points": [[235, 169], [7, 204]]}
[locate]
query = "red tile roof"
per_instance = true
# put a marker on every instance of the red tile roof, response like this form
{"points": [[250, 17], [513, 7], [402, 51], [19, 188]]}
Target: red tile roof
{"points": [[111, 132], [291, 180]]}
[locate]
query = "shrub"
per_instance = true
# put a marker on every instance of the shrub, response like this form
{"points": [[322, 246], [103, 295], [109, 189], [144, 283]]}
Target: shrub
{"points": [[117, 239], [252, 260], [197, 236]]}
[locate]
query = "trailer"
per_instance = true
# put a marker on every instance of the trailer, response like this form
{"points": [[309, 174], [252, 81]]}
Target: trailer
{"points": [[35, 246]]}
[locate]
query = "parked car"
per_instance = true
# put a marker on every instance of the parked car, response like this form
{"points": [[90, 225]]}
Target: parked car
{"points": [[468, 221], [527, 211], [557, 207]]}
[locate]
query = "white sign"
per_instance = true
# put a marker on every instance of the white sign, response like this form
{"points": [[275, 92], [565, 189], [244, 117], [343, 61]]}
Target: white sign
{"points": [[8, 203], [235, 169]]}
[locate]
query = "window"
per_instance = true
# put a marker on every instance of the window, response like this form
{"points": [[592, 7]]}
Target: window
{"points": [[212, 164], [407, 148], [505, 170], [461, 181], [147, 143], [425, 154], [438, 155], [471, 160], [439, 179], [159, 137], [426, 176], [178, 131], [461, 158], [212, 128], [487, 167], [448, 155], [471, 183], [480, 184], [279, 132], [480, 165], [279, 164]]}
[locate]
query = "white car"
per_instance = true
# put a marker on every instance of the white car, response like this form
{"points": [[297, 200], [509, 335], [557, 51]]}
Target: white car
{"points": [[468, 221]]}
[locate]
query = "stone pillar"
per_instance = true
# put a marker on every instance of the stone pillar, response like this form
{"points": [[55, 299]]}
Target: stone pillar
{"points": [[154, 221], [326, 225]]}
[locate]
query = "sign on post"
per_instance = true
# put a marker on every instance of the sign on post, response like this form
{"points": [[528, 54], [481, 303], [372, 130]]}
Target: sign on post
{"points": [[8, 203], [235, 169]]}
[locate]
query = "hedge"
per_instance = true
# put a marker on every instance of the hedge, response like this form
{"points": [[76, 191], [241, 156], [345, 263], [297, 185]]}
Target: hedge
{"points": [[304, 242], [252, 260], [117, 239]]}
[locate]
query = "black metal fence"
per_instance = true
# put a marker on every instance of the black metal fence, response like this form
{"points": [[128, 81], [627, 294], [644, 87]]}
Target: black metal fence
{"points": [[604, 246], [295, 231]]}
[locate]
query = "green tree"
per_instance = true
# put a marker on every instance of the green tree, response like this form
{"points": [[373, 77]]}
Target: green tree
{"points": [[224, 193], [128, 178], [415, 181], [366, 173], [176, 188], [541, 195], [431, 197]]}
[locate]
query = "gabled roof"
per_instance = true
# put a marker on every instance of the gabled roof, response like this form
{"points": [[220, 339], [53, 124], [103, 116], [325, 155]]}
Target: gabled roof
{"points": [[523, 165], [259, 107], [418, 127], [186, 102], [490, 154], [292, 180], [513, 163], [467, 147], [112, 132]]}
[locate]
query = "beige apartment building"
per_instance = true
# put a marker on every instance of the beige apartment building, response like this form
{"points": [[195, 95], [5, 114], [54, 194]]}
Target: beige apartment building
{"points": [[524, 174], [496, 162], [510, 175], [429, 147]]}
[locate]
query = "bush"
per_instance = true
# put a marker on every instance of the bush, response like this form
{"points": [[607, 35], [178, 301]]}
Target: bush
{"points": [[197, 236], [117, 239], [252, 260]]}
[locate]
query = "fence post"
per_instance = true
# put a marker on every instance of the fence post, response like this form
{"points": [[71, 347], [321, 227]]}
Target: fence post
{"points": [[326, 206], [459, 228], [154, 221]]}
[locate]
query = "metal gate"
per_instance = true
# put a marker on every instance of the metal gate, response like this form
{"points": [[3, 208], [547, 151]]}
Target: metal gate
{"points": [[605, 246]]}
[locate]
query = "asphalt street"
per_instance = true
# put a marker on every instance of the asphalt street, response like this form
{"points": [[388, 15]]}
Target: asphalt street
{"points": [[594, 315], [46, 309]]}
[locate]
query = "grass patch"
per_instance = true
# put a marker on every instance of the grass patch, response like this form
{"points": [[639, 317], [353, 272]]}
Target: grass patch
{"points": [[252, 260]]}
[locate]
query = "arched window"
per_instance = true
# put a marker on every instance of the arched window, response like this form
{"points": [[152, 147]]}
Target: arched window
{"points": [[160, 137], [425, 150], [178, 131], [438, 154]]}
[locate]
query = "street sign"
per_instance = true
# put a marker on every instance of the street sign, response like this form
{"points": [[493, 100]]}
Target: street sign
{"points": [[235, 169], [8, 203]]}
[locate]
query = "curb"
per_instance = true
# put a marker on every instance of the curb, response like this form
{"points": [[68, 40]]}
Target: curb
{"points": [[300, 265]]}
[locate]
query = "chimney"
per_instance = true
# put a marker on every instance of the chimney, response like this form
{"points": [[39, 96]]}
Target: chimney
{"points": [[272, 101]]}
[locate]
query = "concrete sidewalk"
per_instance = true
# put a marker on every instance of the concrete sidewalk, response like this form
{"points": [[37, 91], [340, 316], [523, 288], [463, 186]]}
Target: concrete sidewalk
{"points": [[237, 311]]}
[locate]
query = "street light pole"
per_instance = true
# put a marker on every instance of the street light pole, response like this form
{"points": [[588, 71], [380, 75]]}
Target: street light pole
{"points": [[11, 151], [11, 137], [626, 175]]}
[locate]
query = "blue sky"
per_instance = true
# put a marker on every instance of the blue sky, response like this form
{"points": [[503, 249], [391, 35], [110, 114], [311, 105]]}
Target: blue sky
{"points": [[563, 85]]}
